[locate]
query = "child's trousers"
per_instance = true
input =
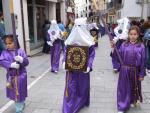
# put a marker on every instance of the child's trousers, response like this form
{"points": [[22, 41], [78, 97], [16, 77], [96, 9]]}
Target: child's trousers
{"points": [[19, 106]]}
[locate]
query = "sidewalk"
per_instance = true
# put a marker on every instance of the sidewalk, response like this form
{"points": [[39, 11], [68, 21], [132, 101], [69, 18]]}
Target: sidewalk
{"points": [[46, 96]]}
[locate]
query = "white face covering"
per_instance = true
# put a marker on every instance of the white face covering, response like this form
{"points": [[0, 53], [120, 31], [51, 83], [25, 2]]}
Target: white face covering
{"points": [[54, 31], [80, 35], [121, 31]]}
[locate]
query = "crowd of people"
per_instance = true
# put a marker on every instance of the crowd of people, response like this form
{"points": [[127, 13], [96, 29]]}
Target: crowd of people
{"points": [[130, 57]]}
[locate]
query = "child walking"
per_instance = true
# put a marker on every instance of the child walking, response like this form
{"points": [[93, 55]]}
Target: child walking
{"points": [[15, 66], [77, 88], [54, 40], [132, 71]]}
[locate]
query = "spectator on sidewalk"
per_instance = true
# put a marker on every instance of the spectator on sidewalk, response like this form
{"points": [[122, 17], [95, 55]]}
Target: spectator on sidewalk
{"points": [[46, 26], [147, 43], [62, 28], [141, 26], [2, 33]]}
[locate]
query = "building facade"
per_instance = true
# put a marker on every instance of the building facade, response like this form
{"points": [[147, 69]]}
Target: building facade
{"points": [[133, 9], [30, 16], [101, 5], [70, 7]]}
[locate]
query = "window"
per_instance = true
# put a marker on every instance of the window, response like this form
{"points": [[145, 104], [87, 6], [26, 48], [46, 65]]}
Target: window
{"points": [[89, 7], [1, 9], [120, 1], [29, 1], [40, 2]]}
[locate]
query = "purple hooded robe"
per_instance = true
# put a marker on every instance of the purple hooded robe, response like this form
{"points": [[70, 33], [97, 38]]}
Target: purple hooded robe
{"points": [[129, 87], [6, 58], [77, 89]]}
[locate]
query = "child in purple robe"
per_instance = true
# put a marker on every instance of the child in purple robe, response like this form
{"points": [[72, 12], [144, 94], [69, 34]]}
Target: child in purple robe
{"points": [[54, 40], [77, 89], [132, 71], [15, 62]]}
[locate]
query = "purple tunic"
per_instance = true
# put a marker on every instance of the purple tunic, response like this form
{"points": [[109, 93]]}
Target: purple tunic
{"points": [[133, 56], [77, 89], [6, 58], [55, 53]]}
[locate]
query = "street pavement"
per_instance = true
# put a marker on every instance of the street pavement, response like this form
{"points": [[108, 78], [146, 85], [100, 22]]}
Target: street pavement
{"points": [[46, 93]]}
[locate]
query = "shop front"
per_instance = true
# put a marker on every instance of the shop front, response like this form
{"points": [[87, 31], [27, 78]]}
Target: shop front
{"points": [[36, 18]]}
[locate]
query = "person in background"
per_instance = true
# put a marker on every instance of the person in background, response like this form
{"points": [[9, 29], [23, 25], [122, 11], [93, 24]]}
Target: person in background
{"points": [[94, 33], [54, 40], [46, 26], [2, 33], [141, 26], [146, 27], [62, 28], [101, 30]]}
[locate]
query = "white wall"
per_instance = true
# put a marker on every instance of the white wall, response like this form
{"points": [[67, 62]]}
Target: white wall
{"points": [[63, 12], [146, 11], [19, 30], [131, 9], [81, 6], [52, 11], [26, 27], [8, 21]]}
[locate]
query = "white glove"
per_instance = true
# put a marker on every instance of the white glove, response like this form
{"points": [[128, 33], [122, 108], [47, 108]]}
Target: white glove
{"points": [[19, 59], [49, 43], [64, 65], [115, 39], [88, 70], [55, 37], [15, 65]]}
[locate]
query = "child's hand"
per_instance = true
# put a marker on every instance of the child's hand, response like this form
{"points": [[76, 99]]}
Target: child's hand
{"points": [[88, 70], [19, 59], [112, 43], [141, 79], [49, 43], [15, 65]]}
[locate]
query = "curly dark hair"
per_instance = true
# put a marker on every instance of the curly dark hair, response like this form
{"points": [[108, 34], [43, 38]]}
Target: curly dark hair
{"points": [[137, 29], [10, 36]]}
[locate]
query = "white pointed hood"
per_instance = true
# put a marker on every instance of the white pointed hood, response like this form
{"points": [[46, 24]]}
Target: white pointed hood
{"points": [[93, 25], [123, 25], [80, 35], [54, 31]]}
